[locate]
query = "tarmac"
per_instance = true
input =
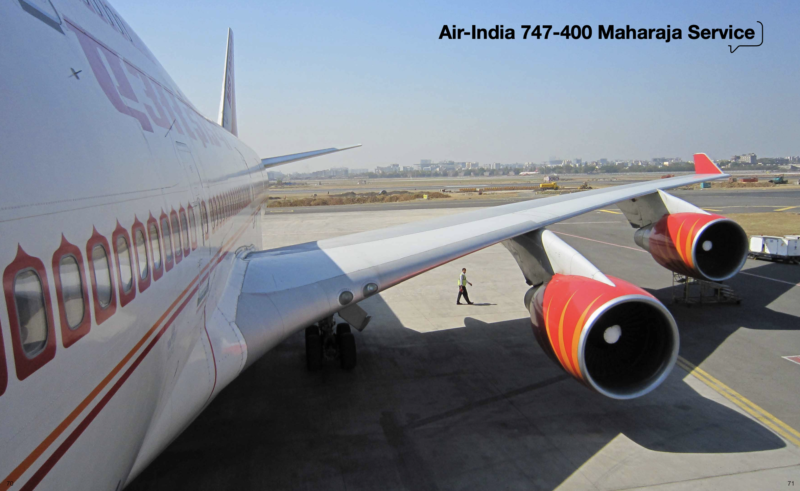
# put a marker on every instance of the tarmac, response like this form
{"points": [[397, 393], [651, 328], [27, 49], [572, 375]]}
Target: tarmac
{"points": [[461, 397]]}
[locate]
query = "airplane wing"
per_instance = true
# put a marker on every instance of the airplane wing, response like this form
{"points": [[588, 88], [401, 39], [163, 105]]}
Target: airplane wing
{"points": [[285, 159], [287, 289]]}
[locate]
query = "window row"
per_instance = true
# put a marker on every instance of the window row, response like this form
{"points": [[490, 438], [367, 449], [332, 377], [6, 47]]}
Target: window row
{"points": [[141, 256], [230, 203]]}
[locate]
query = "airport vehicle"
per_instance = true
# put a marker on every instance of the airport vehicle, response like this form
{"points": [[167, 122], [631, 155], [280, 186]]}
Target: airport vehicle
{"points": [[135, 290], [549, 185]]}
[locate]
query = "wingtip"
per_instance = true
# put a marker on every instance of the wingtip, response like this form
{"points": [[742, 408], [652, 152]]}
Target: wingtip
{"points": [[704, 165]]}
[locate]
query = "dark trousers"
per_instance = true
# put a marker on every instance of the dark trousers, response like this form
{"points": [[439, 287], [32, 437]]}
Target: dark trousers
{"points": [[462, 290]]}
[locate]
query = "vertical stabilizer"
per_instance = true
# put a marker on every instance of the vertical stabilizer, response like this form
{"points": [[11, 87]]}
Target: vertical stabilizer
{"points": [[227, 106]]}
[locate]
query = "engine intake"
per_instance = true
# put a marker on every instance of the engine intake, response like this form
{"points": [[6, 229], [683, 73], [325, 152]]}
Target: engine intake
{"points": [[709, 247], [618, 340]]}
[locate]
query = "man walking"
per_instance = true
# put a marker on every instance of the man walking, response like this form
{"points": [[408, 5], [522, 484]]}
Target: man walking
{"points": [[462, 287]]}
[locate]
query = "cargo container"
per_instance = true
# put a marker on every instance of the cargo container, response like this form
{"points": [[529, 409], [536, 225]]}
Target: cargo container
{"points": [[774, 248]]}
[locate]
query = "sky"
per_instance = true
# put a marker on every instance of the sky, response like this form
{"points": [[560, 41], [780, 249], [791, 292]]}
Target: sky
{"points": [[313, 75]]}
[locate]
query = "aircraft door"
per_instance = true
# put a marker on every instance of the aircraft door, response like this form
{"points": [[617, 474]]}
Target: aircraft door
{"points": [[192, 172]]}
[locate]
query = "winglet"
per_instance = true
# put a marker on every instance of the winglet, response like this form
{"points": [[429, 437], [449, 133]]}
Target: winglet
{"points": [[704, 165], [227, 105]]}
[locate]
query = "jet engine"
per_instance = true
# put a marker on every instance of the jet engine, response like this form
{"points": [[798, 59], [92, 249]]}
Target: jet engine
{"points": [[705, 246], [612, 336]]}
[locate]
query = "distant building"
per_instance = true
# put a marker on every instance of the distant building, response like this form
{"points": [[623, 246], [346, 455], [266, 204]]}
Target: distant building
{"points": [[603, 161], [747, 158], [425, 162], [389, 169], [355, 172]]}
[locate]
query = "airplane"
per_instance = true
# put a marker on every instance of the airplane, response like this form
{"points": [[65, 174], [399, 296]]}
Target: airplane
{"points": [[135, 287]]}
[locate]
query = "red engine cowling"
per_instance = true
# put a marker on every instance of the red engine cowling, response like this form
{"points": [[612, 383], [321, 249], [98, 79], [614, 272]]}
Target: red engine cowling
{"points": [[618, 340], [710, 247]]}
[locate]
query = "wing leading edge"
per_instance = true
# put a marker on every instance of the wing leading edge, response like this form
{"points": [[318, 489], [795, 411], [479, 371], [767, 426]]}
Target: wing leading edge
{"points": [[285, 159]]}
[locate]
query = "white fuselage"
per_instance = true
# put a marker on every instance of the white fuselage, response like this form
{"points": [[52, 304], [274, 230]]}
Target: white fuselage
{"points": [[98, 144]]}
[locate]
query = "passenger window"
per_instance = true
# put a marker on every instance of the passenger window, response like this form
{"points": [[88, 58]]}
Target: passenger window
{"points": [[102, 275], [193, 225], [203, 220], [31, 315], [141, 253], [124, 264], [176, 233], [167, 239], [155, 246], [72, 290], [185, 231]]}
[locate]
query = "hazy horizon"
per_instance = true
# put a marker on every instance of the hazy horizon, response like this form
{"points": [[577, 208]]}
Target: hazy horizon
{"points": [[317, 75]]}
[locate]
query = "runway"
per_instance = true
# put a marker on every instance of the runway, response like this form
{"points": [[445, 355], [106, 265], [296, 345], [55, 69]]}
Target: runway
{"points": [[725, 200], [462, 397]]}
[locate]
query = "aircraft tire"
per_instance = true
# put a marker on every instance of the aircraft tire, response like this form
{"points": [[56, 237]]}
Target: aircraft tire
{"points": [[347, 350], [343, 328]]}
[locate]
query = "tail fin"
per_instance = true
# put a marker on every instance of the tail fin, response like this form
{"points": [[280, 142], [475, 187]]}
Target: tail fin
{"points": [[704, 165], [227, 106]]}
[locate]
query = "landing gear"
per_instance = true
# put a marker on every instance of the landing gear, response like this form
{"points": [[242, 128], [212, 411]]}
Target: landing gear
{"points": [[323, 344]]}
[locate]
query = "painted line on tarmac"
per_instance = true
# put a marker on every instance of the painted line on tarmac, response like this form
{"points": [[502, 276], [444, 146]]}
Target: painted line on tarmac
{"points": [[787, 208], [712, 209], [281, 211], [610, 211], [795, 358], [642, 250], [601, 242], [748, 406], [767, 278]]}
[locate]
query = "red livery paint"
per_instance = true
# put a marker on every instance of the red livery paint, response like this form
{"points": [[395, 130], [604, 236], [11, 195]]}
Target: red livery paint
{"points": [[672, 241], [567, 306], [704, 165]]}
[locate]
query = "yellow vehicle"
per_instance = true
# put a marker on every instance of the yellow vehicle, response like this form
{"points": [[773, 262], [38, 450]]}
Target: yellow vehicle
{"points": [[548, 185]]}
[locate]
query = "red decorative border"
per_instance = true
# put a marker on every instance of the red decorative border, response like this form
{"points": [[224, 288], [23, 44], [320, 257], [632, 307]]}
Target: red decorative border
{"points": [[3, 368], [124, 298], [159, 271], [26, 366], [167, 258], [192, 219], [69, 335], [139, 227], [101, 314], [177, 244], [187, 247]]}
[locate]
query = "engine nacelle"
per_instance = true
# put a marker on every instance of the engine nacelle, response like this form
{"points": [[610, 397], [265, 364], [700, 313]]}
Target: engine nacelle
{"points": [[618, 340], [709, 247]]}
